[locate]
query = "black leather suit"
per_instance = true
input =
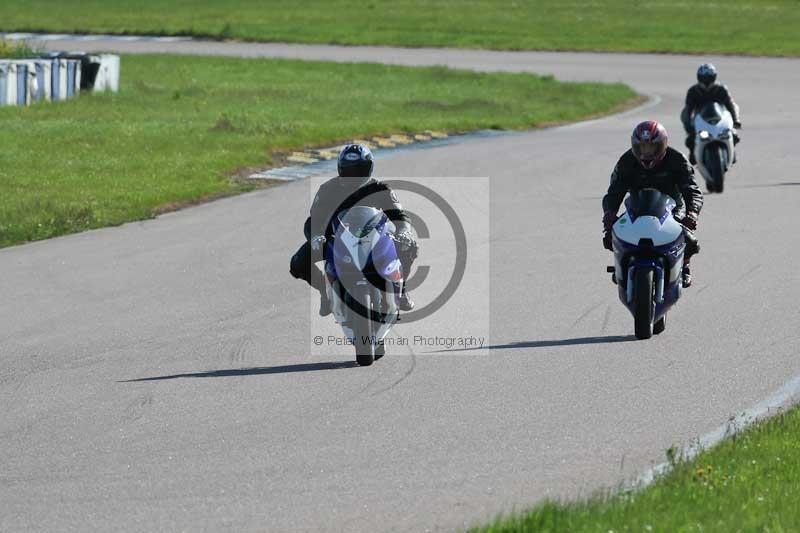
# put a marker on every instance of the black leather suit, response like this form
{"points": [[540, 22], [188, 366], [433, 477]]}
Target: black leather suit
{"points": [[697, 97], [673, 176]]}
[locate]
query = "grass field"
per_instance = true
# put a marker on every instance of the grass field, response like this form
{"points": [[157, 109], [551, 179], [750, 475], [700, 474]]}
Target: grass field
{"points": [[182, 125], [735, 26], [747, 483]]}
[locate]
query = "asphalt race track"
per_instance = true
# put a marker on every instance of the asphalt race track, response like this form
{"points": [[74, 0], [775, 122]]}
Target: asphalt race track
{"points": [[162, 374]]}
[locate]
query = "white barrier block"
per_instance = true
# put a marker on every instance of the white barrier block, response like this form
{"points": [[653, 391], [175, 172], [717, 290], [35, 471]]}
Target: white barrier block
{"points": [[25, 81], [11, 85], [44, 77], [108, 74], [3, 83], [31, 85], [62, 79], [73, 74], [78, 75]]}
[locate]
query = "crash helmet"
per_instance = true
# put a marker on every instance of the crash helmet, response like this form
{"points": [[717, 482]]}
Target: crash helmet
{"points": [[649, 143], [706, 75], [355, 165]]}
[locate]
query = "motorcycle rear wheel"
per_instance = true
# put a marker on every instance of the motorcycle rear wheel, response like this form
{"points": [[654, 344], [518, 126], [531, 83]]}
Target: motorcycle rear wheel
{"points": [[364, 334]]}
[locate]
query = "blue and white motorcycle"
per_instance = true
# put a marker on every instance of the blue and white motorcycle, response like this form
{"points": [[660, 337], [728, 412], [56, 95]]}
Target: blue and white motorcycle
{"points": [[364, 277], [713, 144], [649, 246]]}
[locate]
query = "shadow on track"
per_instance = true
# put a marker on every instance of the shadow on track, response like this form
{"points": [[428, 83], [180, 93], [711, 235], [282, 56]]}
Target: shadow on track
{"points": [[550, 343], [254, 371], [782, 184], [564, 342]]}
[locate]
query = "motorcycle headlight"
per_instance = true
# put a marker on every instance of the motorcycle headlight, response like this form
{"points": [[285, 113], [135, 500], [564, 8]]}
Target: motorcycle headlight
{"points": [[725, 134], [704, 135]]}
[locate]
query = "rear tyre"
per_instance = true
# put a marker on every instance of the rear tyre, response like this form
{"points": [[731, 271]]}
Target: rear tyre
{"points": [[365, 349], [660, 325], [716, 166], [643, 303]]}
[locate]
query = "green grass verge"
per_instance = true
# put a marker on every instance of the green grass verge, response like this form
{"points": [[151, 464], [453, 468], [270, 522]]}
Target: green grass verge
{"points": [[17, 50], [181, 126], [734, 26], [746, 483]]}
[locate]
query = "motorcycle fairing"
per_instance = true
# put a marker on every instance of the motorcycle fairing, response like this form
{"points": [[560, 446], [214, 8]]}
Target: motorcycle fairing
{"points": [[648, 236], [651, 221], [713, 124], [366, 247], [362, 257]]}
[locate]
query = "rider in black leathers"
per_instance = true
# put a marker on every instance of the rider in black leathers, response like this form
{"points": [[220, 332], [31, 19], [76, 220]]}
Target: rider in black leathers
{"points": [[353, 186], [704, 91], [651, 163]]}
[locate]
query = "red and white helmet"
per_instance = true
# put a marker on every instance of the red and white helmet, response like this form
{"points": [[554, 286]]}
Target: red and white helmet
{"points": [[649, 142]]}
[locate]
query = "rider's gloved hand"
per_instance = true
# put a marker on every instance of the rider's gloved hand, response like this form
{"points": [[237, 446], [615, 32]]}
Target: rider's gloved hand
{"points": [[737, 125], [690, 220], [404, 237], [317, 242], [407, 246]]}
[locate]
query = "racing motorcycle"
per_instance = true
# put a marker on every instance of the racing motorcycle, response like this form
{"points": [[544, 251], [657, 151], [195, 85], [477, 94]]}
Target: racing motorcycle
{"points": [[713, 145], [648, 246], [363, 278]]}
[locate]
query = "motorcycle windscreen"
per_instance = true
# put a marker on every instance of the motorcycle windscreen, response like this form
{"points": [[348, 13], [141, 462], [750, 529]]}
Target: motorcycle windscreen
{"points": [[361, 220], [649, 202], [712, 112]]}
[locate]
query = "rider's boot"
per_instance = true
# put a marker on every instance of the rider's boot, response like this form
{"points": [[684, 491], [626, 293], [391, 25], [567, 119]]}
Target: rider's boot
{"points": [[687, 276], [404, 302], [324, 304], [380, 350]]}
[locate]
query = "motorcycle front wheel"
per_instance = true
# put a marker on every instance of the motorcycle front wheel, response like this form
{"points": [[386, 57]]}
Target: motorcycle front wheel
{"points": [[716, 166], [643, 308]]}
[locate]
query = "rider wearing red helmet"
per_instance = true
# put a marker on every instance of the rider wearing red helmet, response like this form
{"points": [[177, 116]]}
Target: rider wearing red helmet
{"points": [[651, 163]]}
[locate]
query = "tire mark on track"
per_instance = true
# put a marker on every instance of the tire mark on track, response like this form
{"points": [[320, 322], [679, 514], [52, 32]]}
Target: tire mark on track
{"points": [[704, 287], [585, 314], [747, 274], [349, 399], [238, 353], [606, 318], [137, 408], [401, 378]]}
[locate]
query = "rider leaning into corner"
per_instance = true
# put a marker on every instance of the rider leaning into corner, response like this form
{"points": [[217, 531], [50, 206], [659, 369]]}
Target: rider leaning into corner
{"points": [[704, 91], [651, 163], [353, 186]]}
